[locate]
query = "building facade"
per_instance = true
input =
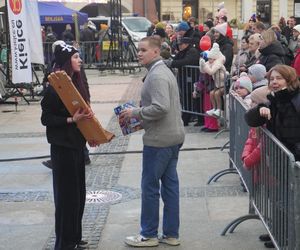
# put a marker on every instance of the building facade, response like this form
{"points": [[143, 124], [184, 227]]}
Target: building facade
{"points": [[269, 11]]}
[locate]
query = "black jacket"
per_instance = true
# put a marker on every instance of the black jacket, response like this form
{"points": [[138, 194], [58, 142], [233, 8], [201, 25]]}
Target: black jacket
{"points": [[67, 36], [188, 56], [226, 47], [285, 118], [54, 117], [272, 55], [195, 35]]}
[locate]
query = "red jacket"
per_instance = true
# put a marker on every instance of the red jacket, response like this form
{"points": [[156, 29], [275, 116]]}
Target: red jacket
{"points": [[251, 152], [229, 32], [296, 62]]}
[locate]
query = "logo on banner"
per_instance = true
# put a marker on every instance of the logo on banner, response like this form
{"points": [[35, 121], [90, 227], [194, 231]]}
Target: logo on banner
{"points": [[15, 6], [19, 40]]}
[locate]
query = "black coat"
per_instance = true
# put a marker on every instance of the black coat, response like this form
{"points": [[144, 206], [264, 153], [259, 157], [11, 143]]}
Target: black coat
{"points": [[54, 117], [226, 47], [195, 35], [272, 55], [188, 56], [285, 118]]}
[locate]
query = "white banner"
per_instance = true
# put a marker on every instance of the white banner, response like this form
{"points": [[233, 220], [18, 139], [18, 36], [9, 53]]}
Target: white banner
{"points": [[34, 25], [19, 42]]}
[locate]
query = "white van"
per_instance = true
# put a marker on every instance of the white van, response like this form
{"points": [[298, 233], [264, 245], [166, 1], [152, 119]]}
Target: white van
{"points": [[135, 26]]}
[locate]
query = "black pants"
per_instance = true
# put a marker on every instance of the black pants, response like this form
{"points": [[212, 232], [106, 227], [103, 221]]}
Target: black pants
{"points": [[69, 195]]}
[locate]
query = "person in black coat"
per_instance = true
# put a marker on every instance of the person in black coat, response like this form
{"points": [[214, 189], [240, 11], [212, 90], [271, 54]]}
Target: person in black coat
{"points": [[187, 55], [282, 113], [67, 35], [271, 50], [67, 152]]}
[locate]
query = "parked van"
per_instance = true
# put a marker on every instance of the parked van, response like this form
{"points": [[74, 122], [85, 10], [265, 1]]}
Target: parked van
{"points": [[135, 26]]}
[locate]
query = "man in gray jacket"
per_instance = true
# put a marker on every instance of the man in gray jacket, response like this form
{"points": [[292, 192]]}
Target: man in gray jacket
{"points": [[160, 113]]}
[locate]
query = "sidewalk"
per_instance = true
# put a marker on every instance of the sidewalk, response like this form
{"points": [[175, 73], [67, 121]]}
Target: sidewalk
{"points": [[26, 199]]}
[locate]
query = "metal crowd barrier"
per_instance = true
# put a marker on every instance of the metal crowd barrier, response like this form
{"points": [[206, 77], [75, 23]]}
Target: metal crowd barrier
{"points": [[97, 54], [273, 185], [187, 76]]}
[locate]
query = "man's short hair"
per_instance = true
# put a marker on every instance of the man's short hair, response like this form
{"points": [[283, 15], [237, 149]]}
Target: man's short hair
{"points": [[259, 26], [153, 41]]}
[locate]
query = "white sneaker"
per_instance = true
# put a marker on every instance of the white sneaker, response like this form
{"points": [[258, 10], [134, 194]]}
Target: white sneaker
{"points": [[141, 241], [210, 112], [169, 240], [217, 113]]}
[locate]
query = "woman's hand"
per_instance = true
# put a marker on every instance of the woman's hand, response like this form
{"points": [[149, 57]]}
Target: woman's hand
{"points": [[265, 112], [81, 114], [93, 143]]}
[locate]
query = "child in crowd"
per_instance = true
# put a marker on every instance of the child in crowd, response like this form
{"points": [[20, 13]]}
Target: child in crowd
{"points": [[215, 68], [251, 152], [243, 88], [257, 74]]}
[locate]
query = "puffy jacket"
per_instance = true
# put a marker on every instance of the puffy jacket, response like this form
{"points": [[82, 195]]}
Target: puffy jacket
{"points": [[285, 118], [251, 152], [272, 55], [296, 62]]}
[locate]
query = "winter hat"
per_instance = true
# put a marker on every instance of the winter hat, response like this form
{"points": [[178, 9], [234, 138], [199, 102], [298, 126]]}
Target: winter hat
{"points": [[259, 95], [182, 26], [253, 18], [214, 52], [221, 28], [222, 12], [221, 6], [58, 42], [63, 53], [245, 82], [297, 28], [209, 24], [258, 71], [160, 32]]}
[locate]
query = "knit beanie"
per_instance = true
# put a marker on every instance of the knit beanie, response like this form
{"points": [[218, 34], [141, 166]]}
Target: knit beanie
{"points": [[58, 42], [221, 6], [214, 52], [63, 53], [297, 27], [160, 32], [182, 26], [209, 24], [259, 95], [258, 71], [221, 28], [245, 82]]}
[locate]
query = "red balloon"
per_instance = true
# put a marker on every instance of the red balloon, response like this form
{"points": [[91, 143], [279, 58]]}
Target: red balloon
{"points": [[205, 43]]}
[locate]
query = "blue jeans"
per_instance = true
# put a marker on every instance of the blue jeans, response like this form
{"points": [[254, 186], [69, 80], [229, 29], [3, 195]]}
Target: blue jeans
{"points": [[159, 164]]}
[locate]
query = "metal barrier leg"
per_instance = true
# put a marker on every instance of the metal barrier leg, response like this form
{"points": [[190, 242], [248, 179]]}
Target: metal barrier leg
{"points": [[219, 174], [221, 131], [238, 221], [224, 146]]}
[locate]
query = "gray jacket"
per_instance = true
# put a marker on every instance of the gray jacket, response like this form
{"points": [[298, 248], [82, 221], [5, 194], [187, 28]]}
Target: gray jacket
{"points": [[161, 110]]}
